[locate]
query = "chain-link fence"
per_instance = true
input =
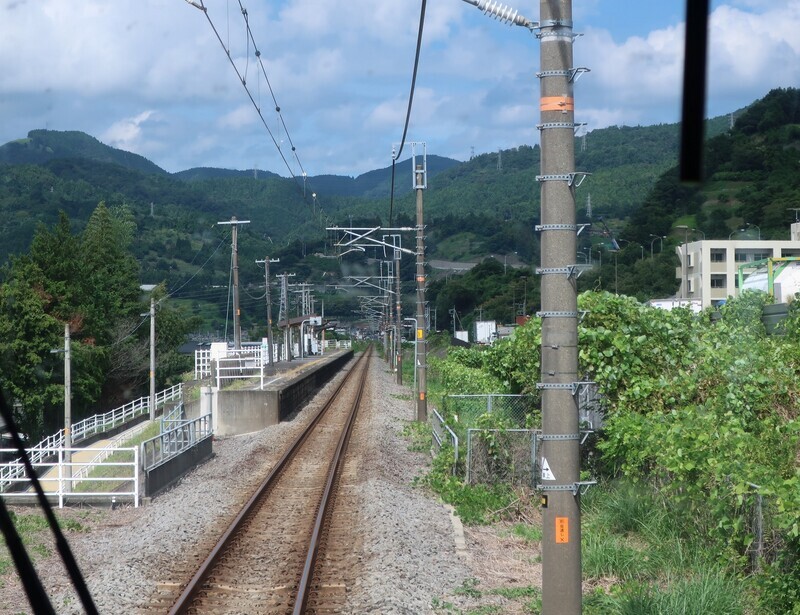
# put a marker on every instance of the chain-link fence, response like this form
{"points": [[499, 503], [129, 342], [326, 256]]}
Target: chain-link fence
{"points": [[502, 456], [517, 411], [500, 433], [767, 539]]}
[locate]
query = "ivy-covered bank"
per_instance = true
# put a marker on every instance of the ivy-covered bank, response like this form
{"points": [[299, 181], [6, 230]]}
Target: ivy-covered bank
{"points": [[701, 414]]}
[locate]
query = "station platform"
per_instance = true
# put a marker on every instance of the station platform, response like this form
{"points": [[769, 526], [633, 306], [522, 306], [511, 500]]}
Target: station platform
{"points": [[251, 404]]}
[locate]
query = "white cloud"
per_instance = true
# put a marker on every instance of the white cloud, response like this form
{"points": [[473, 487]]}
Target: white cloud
{"points": [[127, 133], [341, 73], [244, 116]]}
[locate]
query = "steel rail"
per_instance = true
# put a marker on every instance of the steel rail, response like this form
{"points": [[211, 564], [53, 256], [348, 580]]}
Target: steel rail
{"points": [[336, 465], [184, 601]]}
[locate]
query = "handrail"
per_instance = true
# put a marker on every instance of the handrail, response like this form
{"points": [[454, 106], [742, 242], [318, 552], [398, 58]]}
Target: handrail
{"points": [[169, 444], [98, 423]]}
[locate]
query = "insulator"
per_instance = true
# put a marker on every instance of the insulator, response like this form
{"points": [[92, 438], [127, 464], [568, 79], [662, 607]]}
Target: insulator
{"points": [[500, 11]]}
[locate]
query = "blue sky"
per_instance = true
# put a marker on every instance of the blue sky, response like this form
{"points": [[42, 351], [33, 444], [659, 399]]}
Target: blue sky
{"points": [[150, 77]]}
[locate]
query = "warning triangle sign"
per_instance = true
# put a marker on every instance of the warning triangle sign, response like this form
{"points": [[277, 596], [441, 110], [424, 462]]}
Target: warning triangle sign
{"points": [[547, 473]]}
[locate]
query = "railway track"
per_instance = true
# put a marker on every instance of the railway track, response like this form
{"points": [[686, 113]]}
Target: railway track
{"points": [[291, 547]]}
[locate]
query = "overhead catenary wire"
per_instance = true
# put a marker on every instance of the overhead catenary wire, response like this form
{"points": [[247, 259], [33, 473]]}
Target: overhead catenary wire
{"points": [[410, 104], [300, 179]]}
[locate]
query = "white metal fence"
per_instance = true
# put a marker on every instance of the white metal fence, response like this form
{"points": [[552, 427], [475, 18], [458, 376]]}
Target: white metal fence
{"points": [[203, 360], [338, 344], [99, 423], [441, 433], [170, 443], [61, 478]]}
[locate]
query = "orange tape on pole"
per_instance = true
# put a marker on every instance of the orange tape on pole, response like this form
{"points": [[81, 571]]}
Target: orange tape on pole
{"points": [[556, 103], [562, 530]]}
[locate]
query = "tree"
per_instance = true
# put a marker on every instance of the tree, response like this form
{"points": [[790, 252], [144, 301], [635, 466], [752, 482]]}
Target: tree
{"points": [[27, 335]]}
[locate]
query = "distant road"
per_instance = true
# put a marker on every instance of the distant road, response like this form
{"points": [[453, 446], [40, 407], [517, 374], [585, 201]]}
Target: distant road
{"points": [[451, 265]]}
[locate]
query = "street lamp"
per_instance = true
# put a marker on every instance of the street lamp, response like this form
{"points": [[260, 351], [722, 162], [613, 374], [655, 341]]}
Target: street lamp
{"points": [[758, 228], [741, 230], [640, 246], [697, 230], [661, 243]]}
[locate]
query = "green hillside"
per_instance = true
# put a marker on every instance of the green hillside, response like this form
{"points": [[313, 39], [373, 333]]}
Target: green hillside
{"points": [[42, 146], [486, 206]]}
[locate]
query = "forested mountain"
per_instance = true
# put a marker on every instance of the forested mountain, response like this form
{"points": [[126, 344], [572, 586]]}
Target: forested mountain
{"points": [[42, 146], [485, 206], [751, 177]]}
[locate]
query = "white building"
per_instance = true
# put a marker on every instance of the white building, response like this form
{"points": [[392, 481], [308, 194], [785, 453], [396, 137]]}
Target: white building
{"points": [[710, 273]]}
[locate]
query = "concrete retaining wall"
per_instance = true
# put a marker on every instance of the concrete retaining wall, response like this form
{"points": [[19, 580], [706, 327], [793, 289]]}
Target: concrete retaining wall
{"points": [[168, 473], [241, 411], [297, 392]]}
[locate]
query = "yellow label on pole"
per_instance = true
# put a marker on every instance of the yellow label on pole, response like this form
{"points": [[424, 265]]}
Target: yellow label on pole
{"points": [[419, 334], [422, 395], [562, 530]]}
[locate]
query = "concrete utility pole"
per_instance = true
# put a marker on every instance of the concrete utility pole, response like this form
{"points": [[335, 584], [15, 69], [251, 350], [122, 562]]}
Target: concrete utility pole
{"points": [[67, 398], [560, 462], [152, 359], [420, 183], [267, 260], [67, 394], [283, 314], [399, 318], [237, 327]]}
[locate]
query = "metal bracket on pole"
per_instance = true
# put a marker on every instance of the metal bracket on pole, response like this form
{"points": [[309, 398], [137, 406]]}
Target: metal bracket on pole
{"points": [[574, 126], [555, 23], [555, 227], [582, 436], [557, 314], [573, 271], [549, 125], [572, 74], [577, 487], [555, 385], [567, 177], [574, 387]]}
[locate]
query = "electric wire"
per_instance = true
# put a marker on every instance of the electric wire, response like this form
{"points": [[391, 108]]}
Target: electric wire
{"points": [[410, 104], [199, 4], [222, 241]]}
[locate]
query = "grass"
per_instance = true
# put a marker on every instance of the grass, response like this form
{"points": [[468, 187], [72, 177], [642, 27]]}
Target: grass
{"points": [[655, 563], [35, 534], [530, 533], [419, 436], [646, 557], [106, 472], [529, 596]]}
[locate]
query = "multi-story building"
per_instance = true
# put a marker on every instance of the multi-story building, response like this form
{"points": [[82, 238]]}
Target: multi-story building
{"points": [[709, 268]]}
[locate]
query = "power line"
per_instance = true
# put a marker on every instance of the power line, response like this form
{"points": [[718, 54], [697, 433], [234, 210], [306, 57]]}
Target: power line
{"points": [[201, 266], [243, 80], [410, 103]]}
